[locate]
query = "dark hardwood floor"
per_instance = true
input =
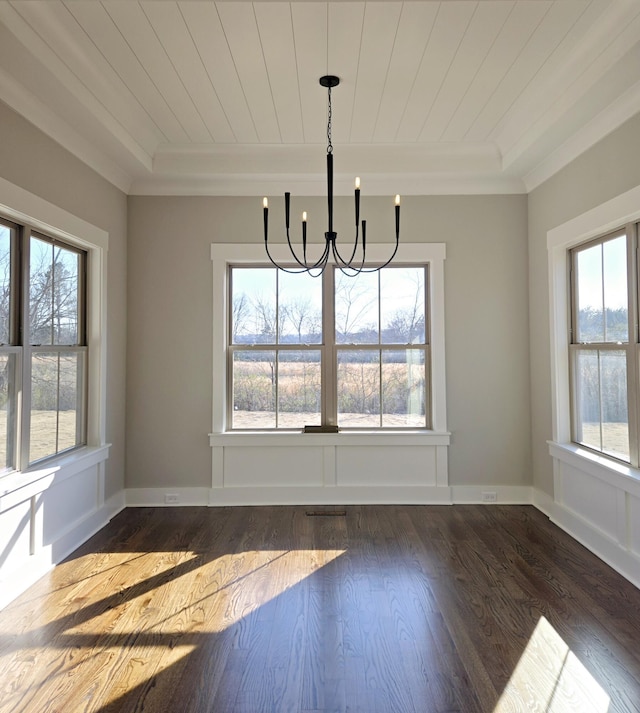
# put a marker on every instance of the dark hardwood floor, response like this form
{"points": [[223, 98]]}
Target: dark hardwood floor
{"points": [[484, 609]]}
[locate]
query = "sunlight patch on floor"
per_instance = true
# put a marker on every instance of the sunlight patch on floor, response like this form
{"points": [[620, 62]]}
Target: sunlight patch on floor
{"points": [[146, 612], [272, 574], [550, 679]]}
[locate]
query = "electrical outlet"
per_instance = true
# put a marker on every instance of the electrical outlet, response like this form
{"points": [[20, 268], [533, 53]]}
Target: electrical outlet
{"points": [[489, 496], [171, 498]]}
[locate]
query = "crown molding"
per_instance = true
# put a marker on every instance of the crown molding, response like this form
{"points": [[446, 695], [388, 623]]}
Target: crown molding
{"points": [[316, 185], [31, 108], [607, 121]]}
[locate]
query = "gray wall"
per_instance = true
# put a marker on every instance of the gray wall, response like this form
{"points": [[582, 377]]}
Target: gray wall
{"points": [[170, 308], [608, 169], [31, 160]]}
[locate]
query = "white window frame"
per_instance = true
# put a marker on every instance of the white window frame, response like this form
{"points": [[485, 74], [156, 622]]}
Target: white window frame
{"points": [[629, 347], [225, 254], [603, 219], [22, 207]]}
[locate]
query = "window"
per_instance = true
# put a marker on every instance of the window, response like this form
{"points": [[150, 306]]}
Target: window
{"points": [[603, 344], [43, 347], [335, 350]]}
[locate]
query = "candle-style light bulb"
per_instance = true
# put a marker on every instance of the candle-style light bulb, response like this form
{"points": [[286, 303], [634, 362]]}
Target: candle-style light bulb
{"points": [[397, 200], [304, 216], [265, 202], [357, 183]]}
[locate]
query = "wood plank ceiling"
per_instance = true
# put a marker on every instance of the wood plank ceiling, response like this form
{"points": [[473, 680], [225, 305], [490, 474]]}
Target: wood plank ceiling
{"points": [[223, 97]]}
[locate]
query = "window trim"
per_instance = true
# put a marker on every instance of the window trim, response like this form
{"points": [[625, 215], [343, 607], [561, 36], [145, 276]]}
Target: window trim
{"points": [[629, 347], [22, 207], [330, 349], [225, 254], [601, 220]]}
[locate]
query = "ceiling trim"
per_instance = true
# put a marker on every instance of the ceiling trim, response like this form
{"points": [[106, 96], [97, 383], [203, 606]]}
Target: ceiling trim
{"points": [[607, 121], [31, 108], [315, 185]]}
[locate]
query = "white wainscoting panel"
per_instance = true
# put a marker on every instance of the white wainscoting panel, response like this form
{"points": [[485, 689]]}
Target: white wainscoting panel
{"points": [[60, 507], [633, 505], [279, 466], [15, 536], [379, 465], [597, 501], [590, 498], [344, 468], [46, 514]]}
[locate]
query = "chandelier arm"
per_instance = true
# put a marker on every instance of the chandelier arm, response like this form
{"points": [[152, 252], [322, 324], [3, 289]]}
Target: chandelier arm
{"points": [[303, 263], [293, 252], [320, 264], [340, 261], [322, 260], [347, 268], [289, 270], [347, 263], [384, 264]]}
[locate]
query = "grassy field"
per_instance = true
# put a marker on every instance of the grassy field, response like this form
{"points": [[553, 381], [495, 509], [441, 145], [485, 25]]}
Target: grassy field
{"points": [[43, 433], [362, 387], [263, 419], [615, 436]]}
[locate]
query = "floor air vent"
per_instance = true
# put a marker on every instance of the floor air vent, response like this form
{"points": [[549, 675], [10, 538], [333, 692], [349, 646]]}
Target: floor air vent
{"points": [[324, 513]]}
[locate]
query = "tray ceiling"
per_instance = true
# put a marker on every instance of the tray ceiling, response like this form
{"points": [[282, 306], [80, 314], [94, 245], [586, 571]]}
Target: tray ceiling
{"points": [[202, 97]]}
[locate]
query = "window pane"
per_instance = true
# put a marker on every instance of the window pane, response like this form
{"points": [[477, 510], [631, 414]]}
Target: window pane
{"points": [[299, 309], [602, 292], [253, 311], [602, 416], [615, 417], [356, 308], [403, 388], [298, 389], [254, 389], [7, 412], [402, 305], [359, 388], [56, 398], [53, 293], [5, 284]]}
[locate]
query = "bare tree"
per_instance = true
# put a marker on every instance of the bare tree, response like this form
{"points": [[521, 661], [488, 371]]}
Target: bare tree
{"points": [[264, 319], [353, 304], [240, 315], [305, 320], [53, 299], [407, 325]]}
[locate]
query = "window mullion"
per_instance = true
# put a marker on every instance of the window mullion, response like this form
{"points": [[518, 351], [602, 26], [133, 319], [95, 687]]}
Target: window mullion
{"points": [[25, 367], [329, 376]]}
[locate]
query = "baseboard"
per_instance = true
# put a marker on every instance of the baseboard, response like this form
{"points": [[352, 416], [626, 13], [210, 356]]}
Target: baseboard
{"points": [[337, 495], [491, 494], [167, 497], [606, 548], [15, 582]]}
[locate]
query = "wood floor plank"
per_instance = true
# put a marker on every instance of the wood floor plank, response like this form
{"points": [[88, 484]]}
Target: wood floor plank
{"points": [[387, 609]]}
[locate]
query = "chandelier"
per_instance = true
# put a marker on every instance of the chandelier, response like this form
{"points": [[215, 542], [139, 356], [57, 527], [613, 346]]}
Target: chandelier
{"points": [[356, 263]]}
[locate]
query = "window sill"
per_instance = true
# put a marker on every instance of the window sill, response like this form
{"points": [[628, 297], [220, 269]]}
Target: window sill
{"points": [[344, 438], [617, 474], [20, 486]]}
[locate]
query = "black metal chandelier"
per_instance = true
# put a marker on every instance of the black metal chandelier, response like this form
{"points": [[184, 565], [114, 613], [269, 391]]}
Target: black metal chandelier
{"points": [[354, 265]]}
